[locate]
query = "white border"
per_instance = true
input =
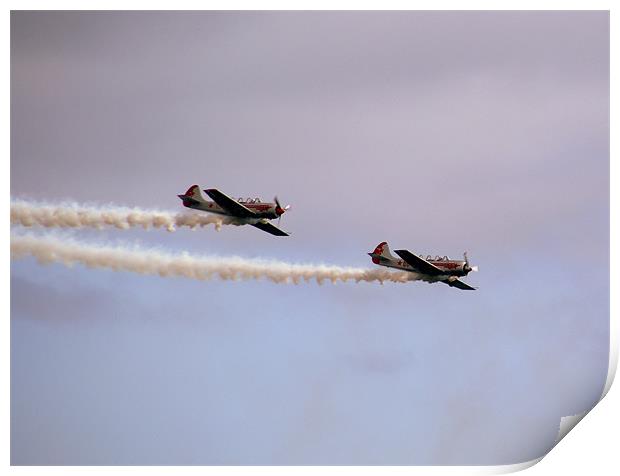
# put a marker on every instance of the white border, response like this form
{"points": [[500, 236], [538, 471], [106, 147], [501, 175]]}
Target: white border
{"points": [[588, 449]]}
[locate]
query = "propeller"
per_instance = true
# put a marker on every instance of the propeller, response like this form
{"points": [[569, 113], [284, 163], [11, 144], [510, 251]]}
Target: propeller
{"points": [[467, 268], [279, 210]]}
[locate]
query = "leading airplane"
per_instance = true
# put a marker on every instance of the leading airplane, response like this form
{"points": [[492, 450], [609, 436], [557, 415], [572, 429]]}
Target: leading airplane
{"points": [[247, 211], [441, 269]]}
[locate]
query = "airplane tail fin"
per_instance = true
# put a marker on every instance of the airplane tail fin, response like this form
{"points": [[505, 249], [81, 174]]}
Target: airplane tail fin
{"points": [[381, 252], [193, 196]]}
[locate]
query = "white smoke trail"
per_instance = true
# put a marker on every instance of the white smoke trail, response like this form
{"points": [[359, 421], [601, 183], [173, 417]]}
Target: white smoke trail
{"points": [[50, 249], [73, 215]]}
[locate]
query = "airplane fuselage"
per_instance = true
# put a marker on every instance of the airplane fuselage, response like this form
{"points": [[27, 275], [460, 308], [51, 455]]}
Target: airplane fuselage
{"points": [[262, 210], [249, 211], [440, 268], [451, 267]]}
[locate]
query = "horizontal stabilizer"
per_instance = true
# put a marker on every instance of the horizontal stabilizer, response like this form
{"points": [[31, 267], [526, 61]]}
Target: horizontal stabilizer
{"points": [[188, 201]]}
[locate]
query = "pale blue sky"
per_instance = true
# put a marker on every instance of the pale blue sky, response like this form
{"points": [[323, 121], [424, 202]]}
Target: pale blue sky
{"points": [[437, 132]]}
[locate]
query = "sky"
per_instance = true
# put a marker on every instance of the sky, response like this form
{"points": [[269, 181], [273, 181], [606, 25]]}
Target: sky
{"points": [[438, 132]]}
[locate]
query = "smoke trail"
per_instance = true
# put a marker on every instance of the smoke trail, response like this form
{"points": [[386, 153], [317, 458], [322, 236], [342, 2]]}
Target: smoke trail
{"points": [[73, 215], [66, 251]]}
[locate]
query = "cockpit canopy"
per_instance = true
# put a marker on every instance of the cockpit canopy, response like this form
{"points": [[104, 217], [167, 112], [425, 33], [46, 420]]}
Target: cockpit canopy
{"points": [[436, 258], [249, 200]]}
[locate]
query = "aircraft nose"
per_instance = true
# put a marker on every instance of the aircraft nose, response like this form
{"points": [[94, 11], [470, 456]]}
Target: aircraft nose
{"points": [[280, 210]]}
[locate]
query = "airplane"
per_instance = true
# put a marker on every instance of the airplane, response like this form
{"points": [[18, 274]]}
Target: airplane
{"points": [[441, 269], [250, 211]]}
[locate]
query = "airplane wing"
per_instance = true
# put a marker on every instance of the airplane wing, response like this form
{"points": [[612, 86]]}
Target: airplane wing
{"points": [[229, 204], [269, 228], [457, 283], [419, 264]]}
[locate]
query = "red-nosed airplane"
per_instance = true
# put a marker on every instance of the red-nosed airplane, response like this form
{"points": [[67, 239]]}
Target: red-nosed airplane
{"points": [[247, 211], [441, 269]]}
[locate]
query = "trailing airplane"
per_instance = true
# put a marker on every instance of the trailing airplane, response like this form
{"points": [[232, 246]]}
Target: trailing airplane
{"points": [[441, 269], [247, 211]]}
